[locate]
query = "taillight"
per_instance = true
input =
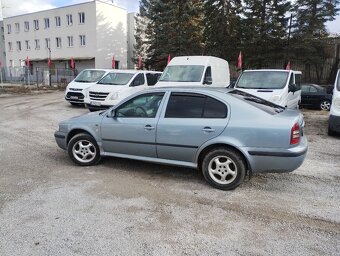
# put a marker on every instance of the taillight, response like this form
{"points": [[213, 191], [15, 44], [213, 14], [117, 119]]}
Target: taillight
{"points": [[295, 134]]}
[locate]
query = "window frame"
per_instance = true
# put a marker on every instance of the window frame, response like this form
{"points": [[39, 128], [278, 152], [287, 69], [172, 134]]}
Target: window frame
{"points": [[17, 27], [36, 24], [19, 48], [82, 40], [36, 44], [70, 40], [69, 19], [57, 20], [26, 26], [9, 28], [27, 44], [58, 42], [47, 23]]}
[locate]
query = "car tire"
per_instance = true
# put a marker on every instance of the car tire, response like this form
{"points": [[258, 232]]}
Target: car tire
{"points": [[325, 105], [92, 109], [83, 150], [223, 168]]}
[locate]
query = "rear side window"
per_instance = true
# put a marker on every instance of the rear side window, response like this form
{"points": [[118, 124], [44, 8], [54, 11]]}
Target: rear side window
{"points": [[194, 106], [152, 79]]}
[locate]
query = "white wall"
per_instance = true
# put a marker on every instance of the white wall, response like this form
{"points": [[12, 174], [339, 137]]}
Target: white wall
{"points": [[2, 46], [131, 41], [111, 35]]}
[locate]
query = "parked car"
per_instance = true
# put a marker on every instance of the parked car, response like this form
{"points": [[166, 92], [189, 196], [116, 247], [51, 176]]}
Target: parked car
{"points": [[223, 132], [313, 95], [334, 114], [279, 86], [117, 85], [86, 78]]}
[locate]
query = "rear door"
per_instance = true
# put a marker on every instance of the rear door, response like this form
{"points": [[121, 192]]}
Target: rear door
{"points": [[190, 119]]}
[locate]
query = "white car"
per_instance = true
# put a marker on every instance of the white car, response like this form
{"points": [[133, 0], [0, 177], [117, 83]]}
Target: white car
{"points": [[85, 79], [117, 85], [334, 114]]}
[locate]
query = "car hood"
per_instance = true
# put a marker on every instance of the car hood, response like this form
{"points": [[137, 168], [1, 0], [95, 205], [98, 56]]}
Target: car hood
{"points": [[78, 85], [108, 88], [87, 118]]}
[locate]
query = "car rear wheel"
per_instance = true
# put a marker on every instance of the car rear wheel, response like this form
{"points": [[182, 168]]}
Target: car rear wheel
{"points": [[83, 150], [325, 105], [223, 168]]}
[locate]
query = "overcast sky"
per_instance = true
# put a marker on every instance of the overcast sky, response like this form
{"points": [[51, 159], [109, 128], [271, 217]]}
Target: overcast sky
{"points": [[16, 7]]}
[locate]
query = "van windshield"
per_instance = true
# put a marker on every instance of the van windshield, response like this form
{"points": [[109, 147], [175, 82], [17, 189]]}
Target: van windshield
{"points": [[182, 73], [89, 76], [262, 80], [116, 78]]}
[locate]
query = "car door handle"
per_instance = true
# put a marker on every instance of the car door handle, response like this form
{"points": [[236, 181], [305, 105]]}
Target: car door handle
{"points": [[149, 127], [208, 129]]}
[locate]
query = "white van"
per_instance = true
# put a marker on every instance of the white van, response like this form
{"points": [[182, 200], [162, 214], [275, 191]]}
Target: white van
{"points": [[334, 114], [86, 78], [282, 87], [196, 71], [117, 85]]}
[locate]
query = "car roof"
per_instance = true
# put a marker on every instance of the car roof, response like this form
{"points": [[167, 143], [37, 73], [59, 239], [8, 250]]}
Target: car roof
{"points": [[133, 71], [196, 89], [280, 70]]}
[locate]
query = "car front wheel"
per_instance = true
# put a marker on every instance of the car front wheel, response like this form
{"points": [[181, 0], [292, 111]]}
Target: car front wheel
{"points": [[224, 168], [325, 105], [83, 150]]}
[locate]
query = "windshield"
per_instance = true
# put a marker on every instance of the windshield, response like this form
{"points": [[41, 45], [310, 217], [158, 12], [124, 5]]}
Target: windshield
{"points": [[262, 104], [182, 73], [116, 78], [89, 76], [263, 80]]}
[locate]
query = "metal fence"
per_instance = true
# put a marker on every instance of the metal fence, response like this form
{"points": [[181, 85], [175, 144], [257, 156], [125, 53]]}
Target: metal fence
{"points": [[38, 76]]}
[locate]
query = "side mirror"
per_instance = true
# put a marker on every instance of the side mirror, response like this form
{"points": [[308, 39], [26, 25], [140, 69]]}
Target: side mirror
{"points": [[208, 80], [111, 113], [292, 88]]}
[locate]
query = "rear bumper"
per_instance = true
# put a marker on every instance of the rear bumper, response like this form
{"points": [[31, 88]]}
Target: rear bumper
{"points": [[60, 138], [277, 160], [334, 123]]}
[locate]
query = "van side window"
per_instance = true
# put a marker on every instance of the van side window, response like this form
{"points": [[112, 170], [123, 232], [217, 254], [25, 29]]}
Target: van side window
{"points": [[139, 80], [207, 76], [152, 79], [298, 81], [291, 79]]}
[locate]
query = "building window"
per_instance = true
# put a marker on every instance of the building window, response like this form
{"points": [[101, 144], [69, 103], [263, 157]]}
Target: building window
{"points": [[27, 43], [3, 38], [82, 40], [27, 26], [70, 41], [17, 27], [36, 24], [18, 46], [47, 43], [10, 47], [58, 42], [9, 28], [47, 23], [57, 21], [69, 19], [81, 17], [2, 29], [37, 44], [11, 64]]}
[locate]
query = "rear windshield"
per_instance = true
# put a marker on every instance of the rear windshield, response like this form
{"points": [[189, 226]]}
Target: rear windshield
{"points": [[89, 76], [257, 102], [182, 73], [116, 78], [263, 80]]}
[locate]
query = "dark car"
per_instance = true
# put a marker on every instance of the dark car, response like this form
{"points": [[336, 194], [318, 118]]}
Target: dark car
{"points": [[313, 95]]}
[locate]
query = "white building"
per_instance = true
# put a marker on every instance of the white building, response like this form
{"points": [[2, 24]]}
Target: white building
{"points": [[131, 41], [2, 45], [91, 33]]}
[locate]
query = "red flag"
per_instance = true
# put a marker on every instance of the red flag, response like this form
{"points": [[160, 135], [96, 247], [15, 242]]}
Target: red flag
{"points": [[72, 63], [113, 62], [169, 58], [288, 67], [49, 62], [139, 62], [239, 61], [27, 62]]}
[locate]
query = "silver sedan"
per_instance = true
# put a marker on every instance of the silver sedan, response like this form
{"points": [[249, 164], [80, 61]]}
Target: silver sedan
{"points": [[225, 133]]}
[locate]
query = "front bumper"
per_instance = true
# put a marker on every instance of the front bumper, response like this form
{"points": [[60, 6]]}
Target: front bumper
{"points": [[334, 123], [96, 107], [274, 160], [75, 97], [60, 138]]}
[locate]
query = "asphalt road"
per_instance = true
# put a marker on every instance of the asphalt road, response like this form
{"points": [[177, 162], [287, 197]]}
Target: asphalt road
{"points": [[49, 206]]}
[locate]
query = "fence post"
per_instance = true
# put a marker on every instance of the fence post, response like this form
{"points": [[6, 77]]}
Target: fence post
{"points": [[37, 76]]}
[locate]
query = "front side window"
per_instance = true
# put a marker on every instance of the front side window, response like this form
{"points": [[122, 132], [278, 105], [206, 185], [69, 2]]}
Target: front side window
{"points": [[305, 88], [69, 19], [57, 21], [262, 80], [182, 73], [47, 23], [89, 76], [116, 78], [189, 105], [82, 40], [142, 106], [27, 26], [36, 24], [313, 89], [152, 79], [81, 17], [139, 80], [58, 42]]}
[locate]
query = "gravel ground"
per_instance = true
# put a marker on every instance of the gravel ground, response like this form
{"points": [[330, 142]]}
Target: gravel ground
{"points": [[49, 206]]}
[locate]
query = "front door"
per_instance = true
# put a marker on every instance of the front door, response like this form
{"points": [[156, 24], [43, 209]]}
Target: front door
{"points": [[132, 129]]}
